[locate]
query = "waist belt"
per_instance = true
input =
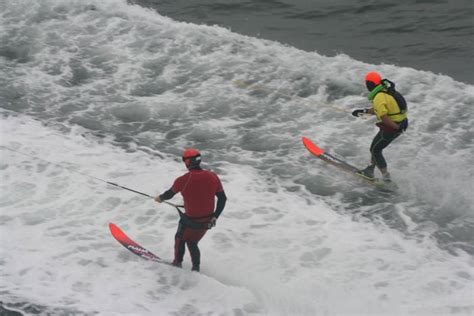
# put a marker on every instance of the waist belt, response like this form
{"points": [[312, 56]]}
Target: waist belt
{"points": [[190, 221], [403, 125]]}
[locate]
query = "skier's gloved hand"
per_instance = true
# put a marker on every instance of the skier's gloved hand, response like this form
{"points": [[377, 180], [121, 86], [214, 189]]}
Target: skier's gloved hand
{"points": [[212, 222], [359, 112], [158, 199]]}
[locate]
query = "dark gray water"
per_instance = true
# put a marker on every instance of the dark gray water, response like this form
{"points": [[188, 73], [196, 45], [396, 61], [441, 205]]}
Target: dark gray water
{"points": [[436, 36]]}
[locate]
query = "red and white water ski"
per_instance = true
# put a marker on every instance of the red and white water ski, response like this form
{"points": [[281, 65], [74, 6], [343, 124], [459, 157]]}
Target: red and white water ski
{"points": [[323, 155], [122, 238]]}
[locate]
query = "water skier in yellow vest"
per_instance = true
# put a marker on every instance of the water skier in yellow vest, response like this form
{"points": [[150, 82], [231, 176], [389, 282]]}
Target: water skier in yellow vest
{"points": [[390, 108]]}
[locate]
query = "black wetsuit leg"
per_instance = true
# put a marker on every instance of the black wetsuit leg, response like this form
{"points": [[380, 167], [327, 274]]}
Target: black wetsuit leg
{"points": [[195, 254], [179, 244], [380, 141]]}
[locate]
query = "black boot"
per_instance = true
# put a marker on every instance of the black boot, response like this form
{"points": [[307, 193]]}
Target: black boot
{"points": [[367, 173]]}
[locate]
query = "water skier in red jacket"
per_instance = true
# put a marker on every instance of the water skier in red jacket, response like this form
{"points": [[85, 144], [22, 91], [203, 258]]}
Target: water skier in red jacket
{"points": [[198, 188]]}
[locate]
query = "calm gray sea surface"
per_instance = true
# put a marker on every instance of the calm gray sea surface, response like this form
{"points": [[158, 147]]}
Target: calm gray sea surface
{"points": [[432, 35]]}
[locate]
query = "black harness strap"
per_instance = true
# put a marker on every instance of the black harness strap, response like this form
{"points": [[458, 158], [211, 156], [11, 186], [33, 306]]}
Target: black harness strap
{"points": [[401, 102], [188, 221]]}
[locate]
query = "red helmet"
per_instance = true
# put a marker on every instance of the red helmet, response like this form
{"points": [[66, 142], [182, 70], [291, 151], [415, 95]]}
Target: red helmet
{"points": [[191, 157], [372, 79]]}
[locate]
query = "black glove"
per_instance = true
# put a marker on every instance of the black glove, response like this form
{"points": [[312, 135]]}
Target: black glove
{"points": [[358, 112], [212, 222]]}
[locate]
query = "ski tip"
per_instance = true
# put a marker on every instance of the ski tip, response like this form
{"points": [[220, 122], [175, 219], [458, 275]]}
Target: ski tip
{"points": [[315, 150], [115, 230], [119, 235], [113, 227]]}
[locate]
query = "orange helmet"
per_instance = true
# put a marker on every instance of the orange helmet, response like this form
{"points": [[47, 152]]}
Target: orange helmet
{"points": [[191, 157], [372, 79]]}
